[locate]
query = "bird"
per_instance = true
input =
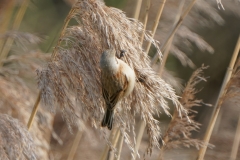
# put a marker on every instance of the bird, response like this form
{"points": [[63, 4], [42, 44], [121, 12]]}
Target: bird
{"points": [[117, 80]]}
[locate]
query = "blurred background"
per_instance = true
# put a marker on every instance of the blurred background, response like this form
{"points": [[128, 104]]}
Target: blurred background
{"points": [[207, 36]]}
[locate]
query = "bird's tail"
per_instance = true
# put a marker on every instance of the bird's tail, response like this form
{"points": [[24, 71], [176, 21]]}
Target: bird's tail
{"points": [[108, 119]]}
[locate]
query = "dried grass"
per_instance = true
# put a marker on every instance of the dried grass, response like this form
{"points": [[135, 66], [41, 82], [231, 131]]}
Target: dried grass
{"points": [[17, 88], [16, 100], [15, 140], [72, 79], [179, 132], [186, 37]]}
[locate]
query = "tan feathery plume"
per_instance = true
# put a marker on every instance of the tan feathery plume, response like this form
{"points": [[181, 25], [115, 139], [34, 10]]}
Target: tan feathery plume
{"points": [[16, 82], [71, 80], [15, 140], [179, 131]]}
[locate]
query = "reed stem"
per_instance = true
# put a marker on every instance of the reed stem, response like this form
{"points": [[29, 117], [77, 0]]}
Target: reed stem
{"points": [[166, 51], [114, 136], [140, 132], [173, 31], [156, 22], [120, 144], [148, 4], [16, 25], [236, 142], [142, 125], [217, 106], [66, 21], [75, 145], [137, 9], [34, 111], [6, 17]]}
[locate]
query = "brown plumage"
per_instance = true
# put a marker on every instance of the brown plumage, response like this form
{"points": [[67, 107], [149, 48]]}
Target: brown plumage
{"points": [[118, 81]]}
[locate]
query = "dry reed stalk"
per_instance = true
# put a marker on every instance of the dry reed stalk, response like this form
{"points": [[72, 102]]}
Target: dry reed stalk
{"points": [[179, 130], [119, 147], [15, 140], [218, 123], [113, 143], [75, 145], [155, 24], [137, 9], [34, 111], [72, 79], [142, 123], [236, 142], [219, 101], [148, 4], [136, 16], [154, 28], [173, 31], [164, 59], [166, 51], [114, 136], [6, 12], [15, 27], [140, 132]]}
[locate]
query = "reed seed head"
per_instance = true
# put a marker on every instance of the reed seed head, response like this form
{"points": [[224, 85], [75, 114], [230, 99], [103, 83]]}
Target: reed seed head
{"points": [[71, 80]]}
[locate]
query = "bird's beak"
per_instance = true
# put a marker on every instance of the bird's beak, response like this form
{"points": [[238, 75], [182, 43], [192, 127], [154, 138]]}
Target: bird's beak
{"points": [[122, 53]]}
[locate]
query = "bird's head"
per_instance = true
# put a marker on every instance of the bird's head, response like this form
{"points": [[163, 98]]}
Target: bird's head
{"points": [[109, 53]]}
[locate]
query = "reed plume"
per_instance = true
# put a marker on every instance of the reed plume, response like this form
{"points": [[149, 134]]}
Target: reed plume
{"points": [[15, 141], [179, 132], [72, 79], [17, 87]]}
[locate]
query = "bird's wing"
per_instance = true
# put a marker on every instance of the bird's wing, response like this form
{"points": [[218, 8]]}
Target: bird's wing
{"points": [[105, 95], [123, 84], [111, 100]]}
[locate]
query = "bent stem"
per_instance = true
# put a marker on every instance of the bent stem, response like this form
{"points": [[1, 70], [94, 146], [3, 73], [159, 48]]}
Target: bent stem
{"points": [[218, 104]]}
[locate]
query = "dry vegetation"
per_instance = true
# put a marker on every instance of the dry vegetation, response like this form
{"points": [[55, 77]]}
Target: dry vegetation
{"points": [[68, 111]]}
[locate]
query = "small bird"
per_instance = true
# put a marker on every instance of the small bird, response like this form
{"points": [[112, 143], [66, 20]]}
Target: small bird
{"points": [[118, 81]]}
